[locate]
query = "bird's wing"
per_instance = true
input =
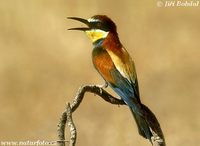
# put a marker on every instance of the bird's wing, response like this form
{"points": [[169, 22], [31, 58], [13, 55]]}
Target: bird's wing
{"points": [[125, 66], [120, 76]]}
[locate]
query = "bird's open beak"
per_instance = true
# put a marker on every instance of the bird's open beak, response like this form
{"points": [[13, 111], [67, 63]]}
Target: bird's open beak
{"points": [[81, 20]]}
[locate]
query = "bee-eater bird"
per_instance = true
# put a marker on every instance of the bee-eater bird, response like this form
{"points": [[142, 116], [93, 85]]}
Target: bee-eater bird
{"points": [[115, 65]]}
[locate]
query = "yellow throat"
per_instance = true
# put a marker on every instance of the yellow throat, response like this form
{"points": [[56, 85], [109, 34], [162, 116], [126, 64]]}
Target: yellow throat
{"points": [[96, 34]]}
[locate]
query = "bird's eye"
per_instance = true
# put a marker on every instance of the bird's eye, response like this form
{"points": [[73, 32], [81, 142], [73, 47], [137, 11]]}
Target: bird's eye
{"points": [[98, 24]]}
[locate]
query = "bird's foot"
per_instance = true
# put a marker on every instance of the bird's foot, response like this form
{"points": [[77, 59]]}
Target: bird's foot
{"points": [[105, 85]]}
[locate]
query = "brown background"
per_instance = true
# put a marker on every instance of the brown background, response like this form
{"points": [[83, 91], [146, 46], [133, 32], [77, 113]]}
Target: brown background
{"points": [[42, 65]]}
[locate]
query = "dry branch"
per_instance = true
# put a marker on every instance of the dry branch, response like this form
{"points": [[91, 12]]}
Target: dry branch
{"points": [[66, 117]]}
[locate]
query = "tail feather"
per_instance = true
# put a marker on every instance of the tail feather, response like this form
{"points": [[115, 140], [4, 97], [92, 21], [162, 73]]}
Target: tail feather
{"points": [[142, 124], [148, 125]]}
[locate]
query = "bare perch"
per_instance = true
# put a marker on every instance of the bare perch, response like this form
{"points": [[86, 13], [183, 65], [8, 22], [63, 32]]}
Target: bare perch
{"points": [[66, 117]]}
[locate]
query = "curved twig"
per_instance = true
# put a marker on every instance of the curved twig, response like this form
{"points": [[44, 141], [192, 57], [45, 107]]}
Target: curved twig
{"points": [[66, 117]]}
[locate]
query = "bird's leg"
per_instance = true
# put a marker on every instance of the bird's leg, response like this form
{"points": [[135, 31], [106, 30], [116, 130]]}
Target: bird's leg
{"points": [[105, 85]]}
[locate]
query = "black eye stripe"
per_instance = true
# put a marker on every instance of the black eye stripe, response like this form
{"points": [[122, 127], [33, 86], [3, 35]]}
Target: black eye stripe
{"points": [[97, 24], [100, 25], [102, 22]]}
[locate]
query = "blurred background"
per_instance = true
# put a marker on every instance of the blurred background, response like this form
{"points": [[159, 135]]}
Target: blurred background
{"points": [[42, 66]]}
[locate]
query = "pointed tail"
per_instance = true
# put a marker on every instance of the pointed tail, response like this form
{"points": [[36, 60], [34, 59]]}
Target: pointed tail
{"points": [[148, 126], [142, 125]]}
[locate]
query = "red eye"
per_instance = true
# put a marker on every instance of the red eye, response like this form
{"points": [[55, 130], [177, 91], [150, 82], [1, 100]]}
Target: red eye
{"points": [[98, 24]]}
